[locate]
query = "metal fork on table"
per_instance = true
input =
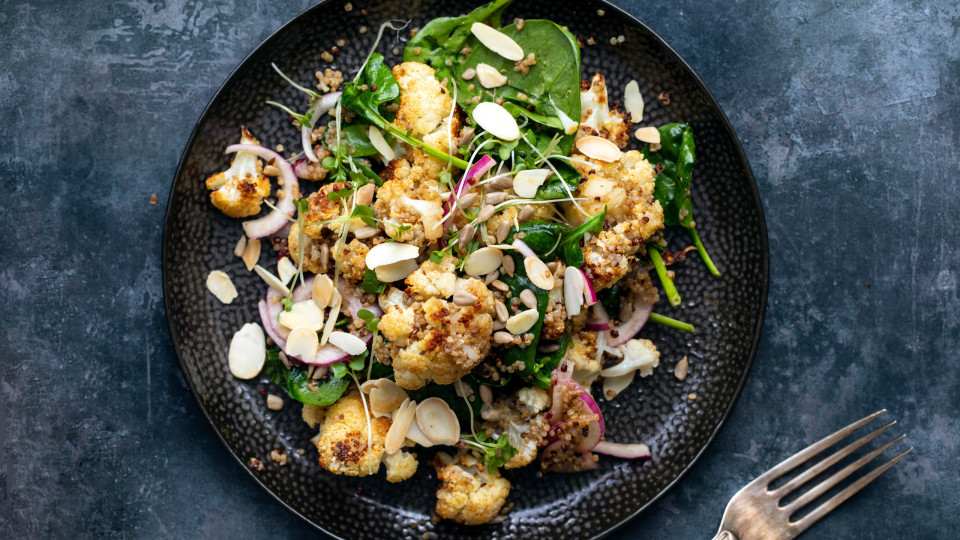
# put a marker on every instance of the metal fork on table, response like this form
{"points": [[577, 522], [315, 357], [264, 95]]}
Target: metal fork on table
{"points": [[755, 512]]}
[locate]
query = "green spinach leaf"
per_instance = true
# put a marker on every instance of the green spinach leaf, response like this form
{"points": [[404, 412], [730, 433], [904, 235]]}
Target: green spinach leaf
{"points": [[553, 187], [526, 355], [570, 249], [546, 363], [298, 386], [541, 236]]}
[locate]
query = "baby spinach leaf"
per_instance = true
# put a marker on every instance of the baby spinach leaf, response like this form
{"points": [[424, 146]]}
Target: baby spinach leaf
{"points": [[371, 284], [526, 355], [541, 236], [297, 384], [375, 87], [354, 136], [546, 363], [570, 249], [553, 187]]}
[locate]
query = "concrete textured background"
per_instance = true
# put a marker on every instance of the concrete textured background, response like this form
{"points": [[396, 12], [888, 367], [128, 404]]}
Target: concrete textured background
{"points": [[849, 115]]}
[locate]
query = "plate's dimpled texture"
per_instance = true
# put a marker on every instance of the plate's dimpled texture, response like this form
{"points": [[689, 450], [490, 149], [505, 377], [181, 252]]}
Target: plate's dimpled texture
{"points": [[727, 311]]}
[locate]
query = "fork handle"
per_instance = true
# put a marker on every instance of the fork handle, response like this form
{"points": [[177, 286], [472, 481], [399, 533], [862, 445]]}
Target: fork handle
{"points": [[725, 535]]}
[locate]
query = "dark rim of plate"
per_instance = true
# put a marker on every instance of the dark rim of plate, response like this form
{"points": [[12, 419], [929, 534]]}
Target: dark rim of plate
{"points": [[738, 148]]}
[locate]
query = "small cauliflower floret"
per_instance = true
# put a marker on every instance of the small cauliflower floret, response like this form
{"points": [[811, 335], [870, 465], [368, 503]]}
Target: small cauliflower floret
{"points": [[596, 116], [522, 419], [313, 415], [434, 339], [466, 494], [400, 465], [434, 279], [425, 106], [639, 355], [315, 261], [625, 188], [583, 354], [533, 399], [353, 257], [239, 191], [342, 441], [409, 197], [322, 210]]}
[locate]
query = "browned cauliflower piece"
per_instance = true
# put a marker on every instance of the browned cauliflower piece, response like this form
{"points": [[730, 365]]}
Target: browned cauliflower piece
{"points": [[400, 465], [596, 115], [317, 251], [625, 188], [434, 339], [322, 210], [466, 494], [425, 106], [239, 191], [352, 257], [520, 417], [582, 353], [342, 441]]}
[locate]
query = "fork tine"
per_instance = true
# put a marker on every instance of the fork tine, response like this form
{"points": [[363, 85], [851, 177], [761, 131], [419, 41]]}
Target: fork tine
{"points": [[793, 461], [839, 498], [826, 463], [824, 486]]}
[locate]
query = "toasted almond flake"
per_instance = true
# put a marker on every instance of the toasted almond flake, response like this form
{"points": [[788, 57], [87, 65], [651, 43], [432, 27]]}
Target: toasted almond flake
{"points": [[386, 397], [378, 142], [241, 245], [680, 372], [389, 253], [251, 253], [218, 282], [322, 293], [302, 343], [304, 314], [496, 120], [648, 135], [539, 274], [416, 436], [395, 272], [573, 291], [400, 426], [526, 183], [271, 280], [483, 261], [332, 317], [598, 148], [286, 270], [497, 41], [437, 421], [633, 101], [350, 343], [614, 385], [274, 402], [248, 351], [489, 77], [523, 321]]}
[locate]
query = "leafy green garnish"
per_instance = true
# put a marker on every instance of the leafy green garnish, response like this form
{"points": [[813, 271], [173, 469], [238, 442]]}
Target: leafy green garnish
{"points": [[287, 303], [338, 370], [299, 386], [570, 243], [540, 236], [493, 453], [526, 355], [545, 364], [368, 317], [553, 187], [354, 136], [371, 284], [365, 213], [674, 162]]}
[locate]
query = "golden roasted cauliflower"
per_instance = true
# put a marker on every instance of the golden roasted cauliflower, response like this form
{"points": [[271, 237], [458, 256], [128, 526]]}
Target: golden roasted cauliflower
{"points": [[520, 417], [596, 115], [239, 191], [466, 494], [342, 442]]}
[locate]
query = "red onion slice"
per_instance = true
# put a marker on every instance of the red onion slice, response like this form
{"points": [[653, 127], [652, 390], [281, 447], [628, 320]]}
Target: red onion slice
{"points": [[627, 451], [625, 332], [599, 326], [592, 405], [588, 292], [305, 139], [304, 291], [351, 304], [484, 164], [320, 107], [523, 248], [274, 221], [271, 329], [599, 319]]}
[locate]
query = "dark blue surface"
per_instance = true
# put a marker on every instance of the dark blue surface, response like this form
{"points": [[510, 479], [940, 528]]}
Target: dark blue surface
{"points": [[848, 112]]}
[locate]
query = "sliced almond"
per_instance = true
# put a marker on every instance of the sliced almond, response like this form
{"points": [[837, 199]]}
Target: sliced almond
{"points": [[389, 253], [526, 183], [322, 293], [218, 282], [397, 271], [483, 261], [437, 421], [523, 321], [393, 297], [302, 315], [598, 148], [303, 343], [497, 41], [331, 317], [416, 436], [248, 351], [539, 274], [683, 366], [573, 291], [350, 343], [633, 101], [489, 77], [241, 245], [378, 142], [399, 427], [496, 120], [386, 397], [286, 270], [614, 385], [648, 135], [271, 280], [251, 253]]}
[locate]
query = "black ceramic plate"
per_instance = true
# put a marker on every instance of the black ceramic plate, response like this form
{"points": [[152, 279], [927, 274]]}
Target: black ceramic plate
{"points": [[658, 410]]}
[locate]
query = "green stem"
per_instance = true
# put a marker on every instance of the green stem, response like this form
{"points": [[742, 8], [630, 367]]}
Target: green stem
{"points": [[672, 295], [703, 251], [427, 149], [672, 323]]}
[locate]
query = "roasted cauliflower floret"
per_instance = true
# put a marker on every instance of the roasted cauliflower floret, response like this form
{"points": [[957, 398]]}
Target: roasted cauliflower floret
{"points": [[426, 106], [467, 495], [323, 210], [409, 198], [313, 415], [434, 279], [352, 257], [317, 251], [342, 442], [400, 465], [522, 419], [239, 191], [596, 115], [582, 353], [625, 188], [434, 339]]}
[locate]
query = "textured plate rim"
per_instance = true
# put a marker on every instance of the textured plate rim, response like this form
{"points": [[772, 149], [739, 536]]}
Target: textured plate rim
{"points": [[752, 189]]}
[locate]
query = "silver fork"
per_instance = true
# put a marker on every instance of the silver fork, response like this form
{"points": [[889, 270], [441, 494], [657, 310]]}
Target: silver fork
{"points": [[755, 513]]}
